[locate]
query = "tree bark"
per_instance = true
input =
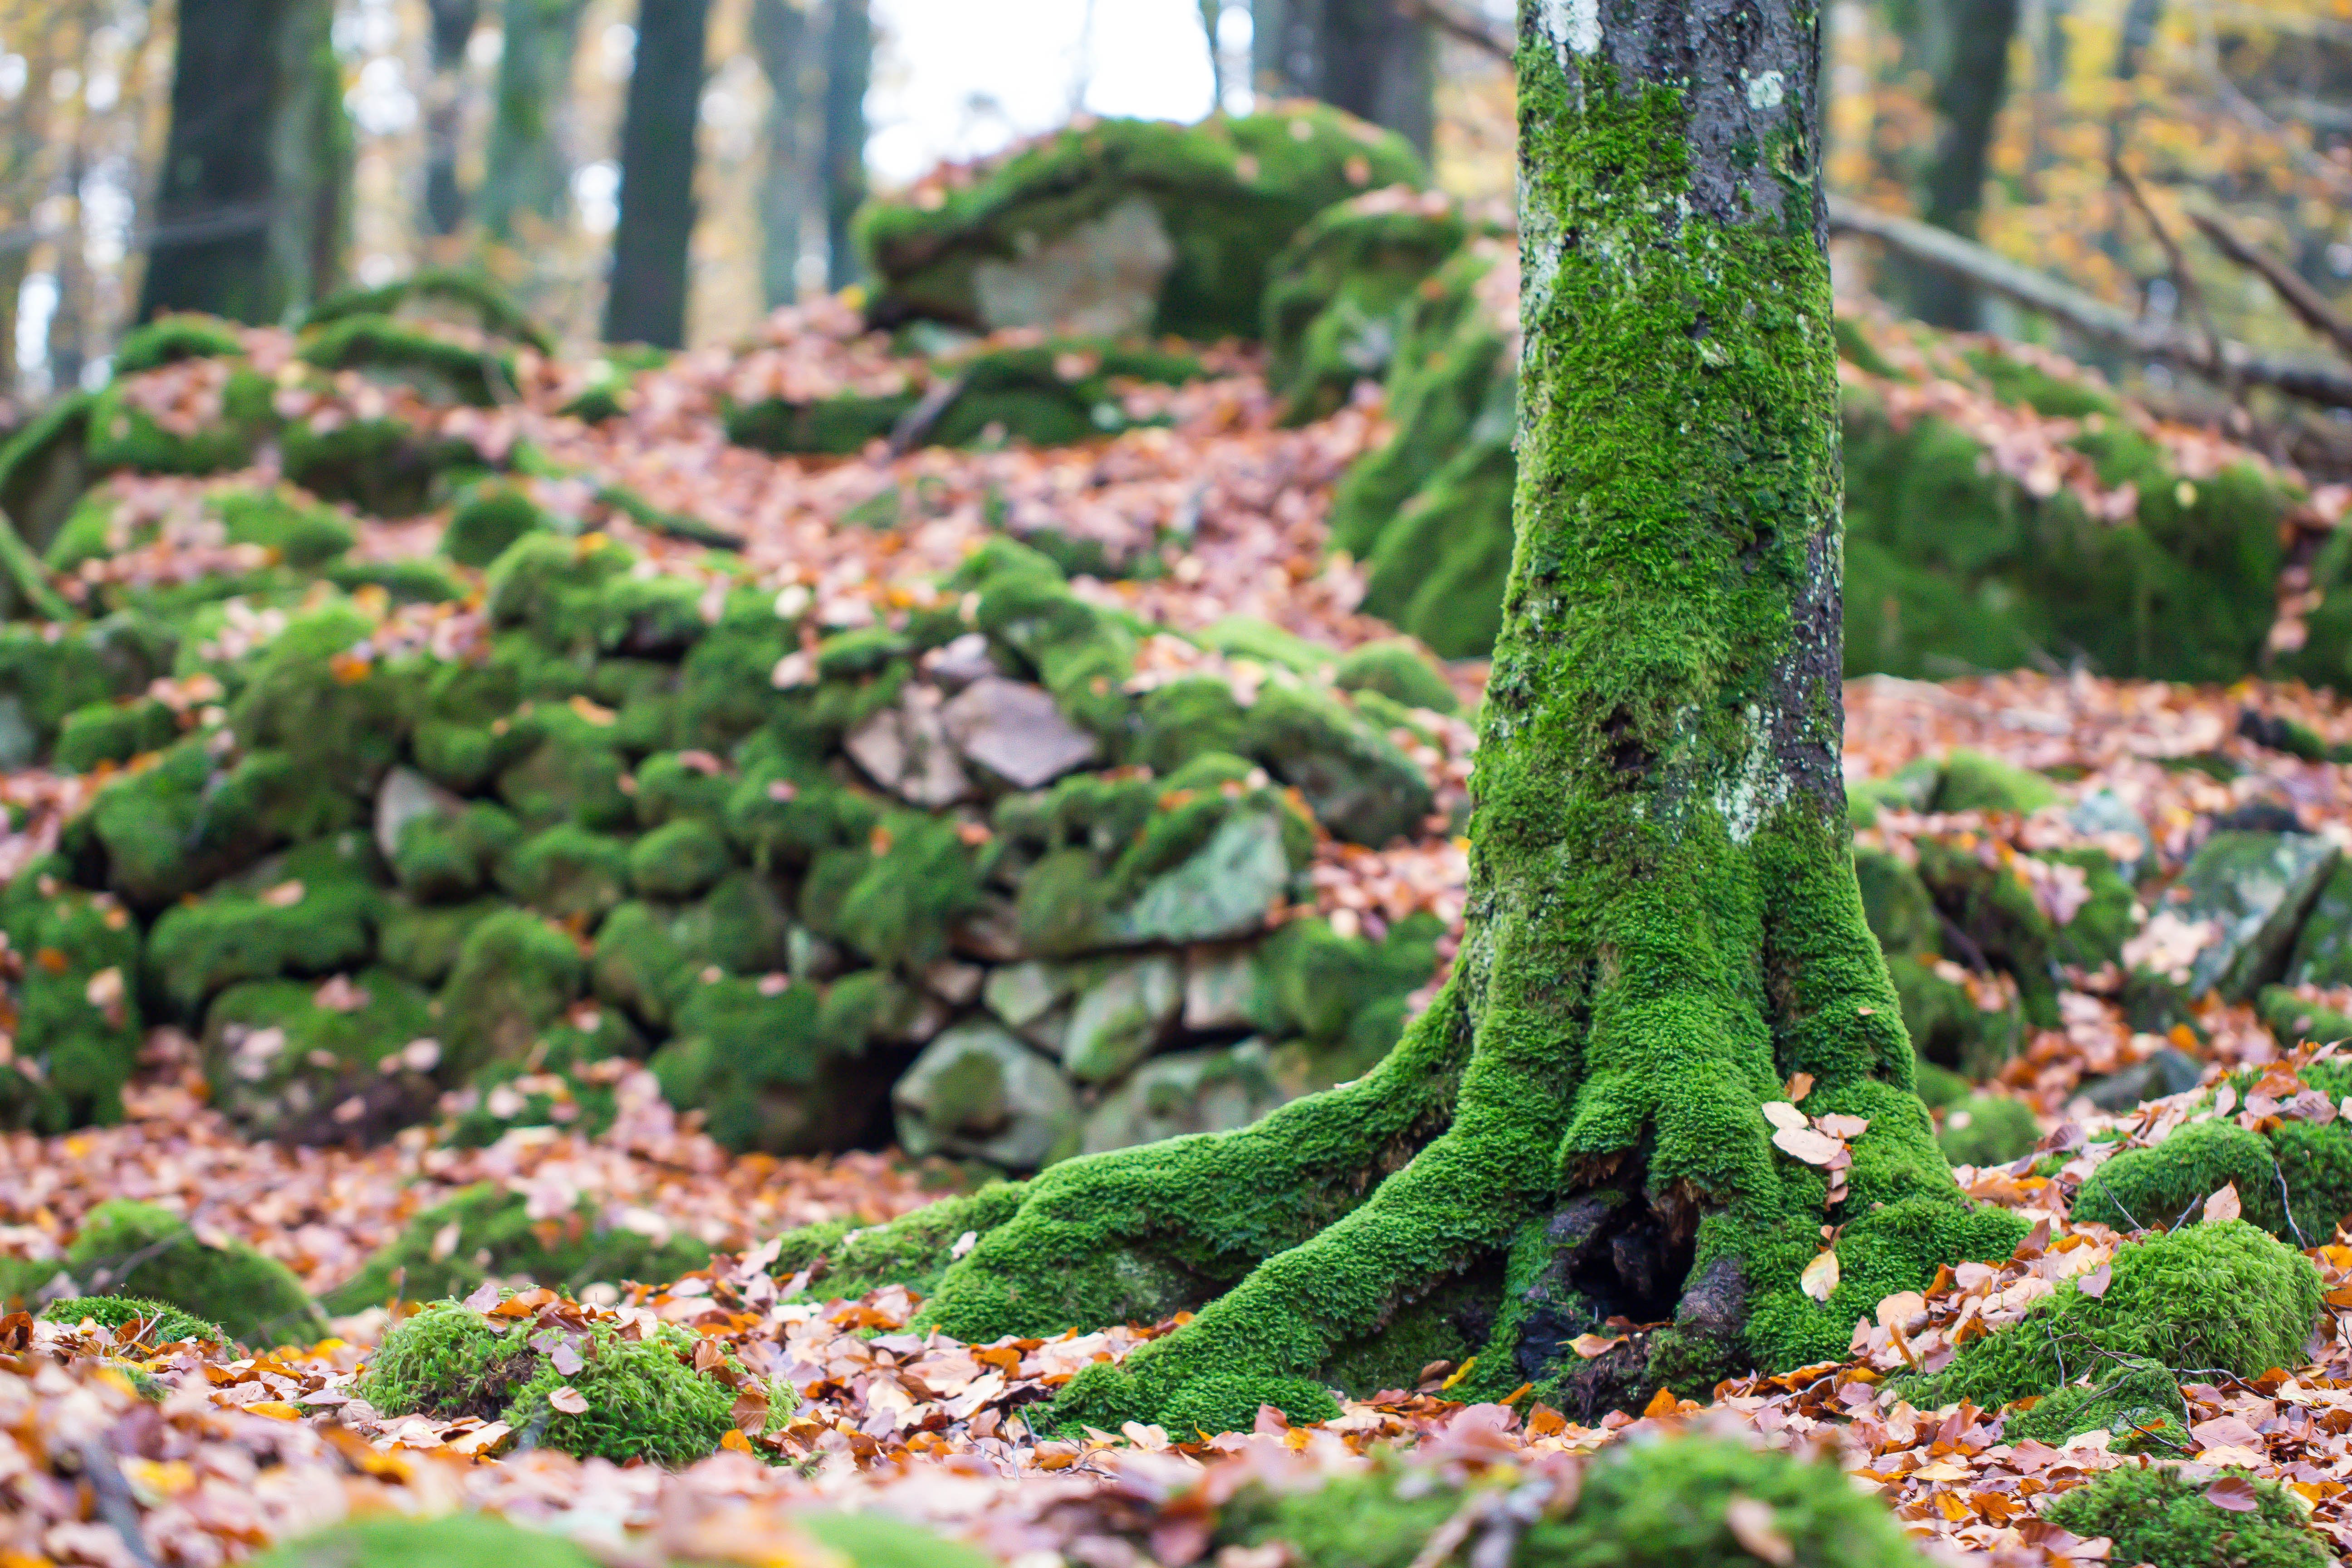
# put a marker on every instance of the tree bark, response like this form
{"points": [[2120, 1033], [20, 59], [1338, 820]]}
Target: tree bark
{"points": [[1968, 50], [780, 32], [253, 197], [1370, 57], [444, 113], [528, 175], [848, 67], [1663, 925], [647, 302]]}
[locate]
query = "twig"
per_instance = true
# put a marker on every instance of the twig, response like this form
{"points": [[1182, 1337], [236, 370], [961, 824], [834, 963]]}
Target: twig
{"points": [[2327, 385], [915, 425], [1471, 30], [2278, 1172], [2192, 297], [2298, 296], [112, 1497]]}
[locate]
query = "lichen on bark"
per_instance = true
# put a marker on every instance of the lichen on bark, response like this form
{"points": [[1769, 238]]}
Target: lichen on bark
{"points": [[1664, 925]]}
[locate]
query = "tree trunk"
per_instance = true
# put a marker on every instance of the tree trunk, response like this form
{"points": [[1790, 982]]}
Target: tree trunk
{"points": [[444, 113], [780, 31], [848, 66], [1662, 924], [528, 172], [1367, 57], [252, 203], [1965, 48], [650, 244]]}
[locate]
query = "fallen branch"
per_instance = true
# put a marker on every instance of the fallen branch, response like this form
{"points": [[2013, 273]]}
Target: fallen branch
{"points": [[2310, 306], [1456, 23], [2317, 382]]}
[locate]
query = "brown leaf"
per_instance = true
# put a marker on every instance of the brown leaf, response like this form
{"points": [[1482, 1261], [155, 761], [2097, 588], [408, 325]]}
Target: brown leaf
{"points": [[569, 1400], [1591, 1345], [1783, 1115], [567, 1361], [2095, 1284], [2235, 1493], [1804, 1144], [1751, 1524], [1798, 1086], [485, 1296], [2223, 1204]]}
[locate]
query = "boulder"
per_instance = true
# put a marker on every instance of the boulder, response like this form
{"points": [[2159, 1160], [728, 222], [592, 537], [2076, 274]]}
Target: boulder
{"points": [[1219, 985], [1014, 730], [1121, 1016], [2323, 948], [1185, 1093], [905, 749], [2232, 919], [1224, 889], [978, 1092]]}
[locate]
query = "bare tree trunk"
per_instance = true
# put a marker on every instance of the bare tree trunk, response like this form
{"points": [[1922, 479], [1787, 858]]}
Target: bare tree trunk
{"points": [[445, 113], [780, 32], [527, 170], [848, 67], [1968, 50], [652, 241], [1371, 57], [252, 203]]}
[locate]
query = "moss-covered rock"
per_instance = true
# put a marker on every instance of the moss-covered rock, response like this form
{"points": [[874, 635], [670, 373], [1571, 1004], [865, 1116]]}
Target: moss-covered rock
{"points": [[487, 519], [2250, 891], [2156, 1515], [76, 1004], [645, 1399], [679, 859], [1186, 218], [1339, 299], [980, 1092], [2222, 1294], [755, 1056], [515, 974], [452, 1541], [1398, 670], [159, 1322], [648, 955], [313, 910], [138, 1249], [494, 1235], [441, 856], [2137, 1402], [568, 874], [1357, 782], [2295, 1180], [45, 675], [348, 1059]]}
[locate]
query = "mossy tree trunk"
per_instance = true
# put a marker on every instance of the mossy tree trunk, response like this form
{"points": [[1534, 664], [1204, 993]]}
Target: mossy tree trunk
{"points": [[252, 203], [527, 172], [652, 239], [1664, 925]]}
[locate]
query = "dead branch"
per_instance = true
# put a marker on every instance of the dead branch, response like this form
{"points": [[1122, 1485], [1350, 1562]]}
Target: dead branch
{"points": [[1443, 15], [2309, 306]]}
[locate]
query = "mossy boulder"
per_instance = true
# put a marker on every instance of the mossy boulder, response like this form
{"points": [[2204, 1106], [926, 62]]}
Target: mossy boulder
{"points": [[648, 955], [2224, 1294], [2252, 891], [46, 673], [1182, 221], [756, 1055], [1359, 784], [679, 861], [463, 1539], [980, 1092], [2156, 1515], [1398, 670], [487, 519], [77, 1019], [644, 1399], [139, 1250], [515, 974], [347, 1059], [568, 874], [2295, 1180], [486, 1231], [1340, 297], [312, 910]]}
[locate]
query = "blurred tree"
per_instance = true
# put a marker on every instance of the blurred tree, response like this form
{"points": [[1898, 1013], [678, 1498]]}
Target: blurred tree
{"points": [[848, 66], [1963, 48], [647, 302], [252, 199], [780, 32], [528, 172], [1370, 57], [451, 29]]}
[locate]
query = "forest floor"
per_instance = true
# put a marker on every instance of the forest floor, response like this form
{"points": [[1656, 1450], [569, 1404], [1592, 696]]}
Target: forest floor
{"points": [[265, 1448], [242, 1452]]}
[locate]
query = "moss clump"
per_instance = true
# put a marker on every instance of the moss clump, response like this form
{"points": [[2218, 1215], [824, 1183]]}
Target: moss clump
{"points": [[2137, 1401], [160, 1323], [2158, 1516], [138, 1249], [78, 1016], [1341, 296], [435, 295], [306, 1063], [1987, 1130], [1357, 782], [1974, 782], [515, 974], [1397, 668], [679, 859], [444, 856], [497, 1236], [2142, 1188], [114, 733], [1662, 1503], [568, 874], [2225, 1295], [43, 677], [310, 911], [490, 518], [645, 1399], [755, 1056], [452, 1541], [1224, 196]]}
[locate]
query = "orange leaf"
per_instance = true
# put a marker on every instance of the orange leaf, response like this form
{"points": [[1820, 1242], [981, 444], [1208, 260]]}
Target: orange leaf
{"points": [[1660, 1403]]}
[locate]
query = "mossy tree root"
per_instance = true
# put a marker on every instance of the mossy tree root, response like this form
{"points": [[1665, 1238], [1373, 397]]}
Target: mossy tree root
{"points": [[1662, 924]]}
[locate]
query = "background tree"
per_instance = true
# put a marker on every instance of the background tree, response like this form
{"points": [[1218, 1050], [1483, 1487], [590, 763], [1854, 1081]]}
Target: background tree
{"points": [[1662, 926], [1371, 57], [528, 172], [651, 242], [451, 29], [253, 198], [848, 68], [780, 32], [1964, 46]]}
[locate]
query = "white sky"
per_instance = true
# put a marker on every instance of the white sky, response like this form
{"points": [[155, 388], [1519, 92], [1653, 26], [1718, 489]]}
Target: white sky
{"points": [[956, 79]]}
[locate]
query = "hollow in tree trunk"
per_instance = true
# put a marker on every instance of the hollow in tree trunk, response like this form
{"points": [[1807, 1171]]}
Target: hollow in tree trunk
{"points": [[1662, 924], [652, 239]]}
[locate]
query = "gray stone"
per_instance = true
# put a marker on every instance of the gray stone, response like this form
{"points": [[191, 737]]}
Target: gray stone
{"points": [[1013, 729], [2104, 814], [1021, 994], [1219, 984], [1185, 1092], [2247, 895], [905, 749], [960, 662], [1099, 278], [1224, 890], [405, 796], [2168, 1071], [958, 984], [1118, 1019], [978, 1093]]}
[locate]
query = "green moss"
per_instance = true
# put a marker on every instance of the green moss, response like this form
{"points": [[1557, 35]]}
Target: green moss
{"points": [[495, 1236], [138, 1249], [311, 911], [295, 529], [757, 1061], [123, 435], [569, 771], [77, 1028], [2222, 1295], [1397, 668], [1228, 194], [442, 368], [283, 1063], [1660, 1503], [1340, 297], [451, 1541], [491, 517], [1975, 781], [185, 822], [442, 859], [679, 859], [552, 586], [2156, 1186], [1987, 1130], [2136, 1400], [1359, 786], [895, 899], [46, 673], [568, 874], [645, 1399], [172, 338], [421, 942], [159, 1322], [515, 974], [846, 1261], [2156, 1515], [435, 295], [339, 718], [650, 955]]}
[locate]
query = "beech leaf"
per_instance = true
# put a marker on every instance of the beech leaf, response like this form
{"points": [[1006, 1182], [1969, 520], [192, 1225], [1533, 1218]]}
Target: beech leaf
{"points": [[2235, 1493], [569, 1400], [1820, 1279], [2223, 1204], [1804, 1144], [1753, 1525]]}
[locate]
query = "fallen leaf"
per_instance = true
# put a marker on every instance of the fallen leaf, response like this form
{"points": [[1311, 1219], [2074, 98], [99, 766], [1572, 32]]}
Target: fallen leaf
{"points": [[1820, 1279], [1751, 1524], [1783, 1115], [569, 1400], [2095, 1284], [1804, 1144], [1591, 1345], [1837, 1124], [485, 1296], [2235, 1493], [567, 1361], [2222, 1204], [1798, 1086]]}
